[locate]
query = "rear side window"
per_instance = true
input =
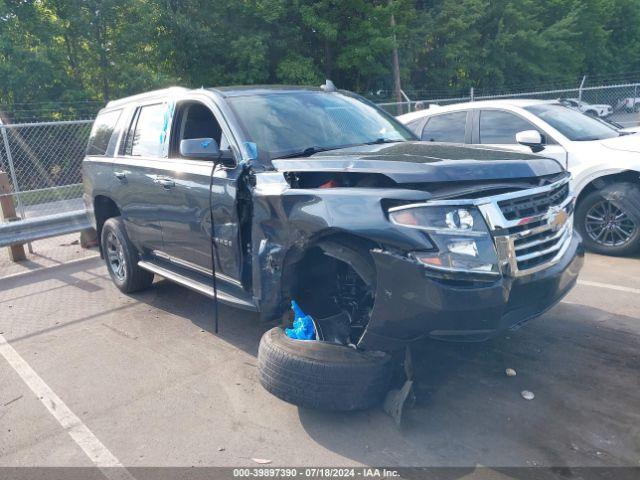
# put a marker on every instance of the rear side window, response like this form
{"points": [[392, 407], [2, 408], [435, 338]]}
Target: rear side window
{"points": [[500, 127], [414, 125], [448, 127], [148, 130], [102, 133]]}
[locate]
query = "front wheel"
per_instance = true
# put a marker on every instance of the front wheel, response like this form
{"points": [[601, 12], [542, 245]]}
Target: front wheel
{"points": [[322, 375], [608, 219]]}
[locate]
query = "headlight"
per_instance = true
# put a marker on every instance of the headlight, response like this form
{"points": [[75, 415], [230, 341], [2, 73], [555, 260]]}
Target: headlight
{"points": [[460, 234]]}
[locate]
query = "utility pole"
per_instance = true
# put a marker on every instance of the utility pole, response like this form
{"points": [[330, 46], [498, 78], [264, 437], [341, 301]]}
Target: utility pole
{"points": [[397, 88]]}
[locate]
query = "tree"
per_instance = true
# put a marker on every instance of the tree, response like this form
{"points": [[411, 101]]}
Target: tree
{"points": [[68, 57]]}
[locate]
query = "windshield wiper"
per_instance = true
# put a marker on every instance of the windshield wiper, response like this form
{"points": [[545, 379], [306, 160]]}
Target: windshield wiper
{"points": [[379, 141], [307, 152]]}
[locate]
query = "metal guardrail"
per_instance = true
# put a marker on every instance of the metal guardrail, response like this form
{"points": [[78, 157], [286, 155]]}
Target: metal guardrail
{"points": [[31, 229]]}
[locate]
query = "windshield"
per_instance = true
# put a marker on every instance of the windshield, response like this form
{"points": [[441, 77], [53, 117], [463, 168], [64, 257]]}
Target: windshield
{"points": [[572, 124], [289, 123]]}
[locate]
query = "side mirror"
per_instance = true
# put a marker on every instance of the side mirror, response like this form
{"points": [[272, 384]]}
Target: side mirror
{"points": [[200, 149], [532, 139]]}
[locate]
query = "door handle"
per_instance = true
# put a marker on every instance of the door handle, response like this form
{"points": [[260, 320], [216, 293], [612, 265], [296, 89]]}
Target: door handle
{"points": [[120, 175], [165, 182]]}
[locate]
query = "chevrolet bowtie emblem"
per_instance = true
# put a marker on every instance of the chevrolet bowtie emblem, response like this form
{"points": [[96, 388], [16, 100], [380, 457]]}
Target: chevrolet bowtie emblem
{"points": [[557, 217]]}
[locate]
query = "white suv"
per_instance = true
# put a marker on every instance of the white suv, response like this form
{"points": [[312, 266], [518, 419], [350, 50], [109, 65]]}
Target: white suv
{"points": [[604, 162], [595, 110]]}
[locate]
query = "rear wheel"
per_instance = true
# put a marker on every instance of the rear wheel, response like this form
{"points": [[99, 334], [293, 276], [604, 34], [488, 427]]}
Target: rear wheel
{"points": [[609, 226], [122, 258]]}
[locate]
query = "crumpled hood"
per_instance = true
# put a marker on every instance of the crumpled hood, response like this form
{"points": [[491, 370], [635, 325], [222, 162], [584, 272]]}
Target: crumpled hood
{"points": [[624, 143], [418, 162]]}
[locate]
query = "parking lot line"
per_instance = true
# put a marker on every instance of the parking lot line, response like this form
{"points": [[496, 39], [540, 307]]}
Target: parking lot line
{"points": [[610, 286], [79, 432]]}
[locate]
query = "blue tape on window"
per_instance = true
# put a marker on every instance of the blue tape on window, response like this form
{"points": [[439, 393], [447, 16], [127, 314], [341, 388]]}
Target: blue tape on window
{"points": [[168, 115], [252, 150]]}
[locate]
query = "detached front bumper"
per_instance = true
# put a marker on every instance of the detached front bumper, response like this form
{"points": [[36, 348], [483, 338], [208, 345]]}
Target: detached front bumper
{"points": [[412, 304]]}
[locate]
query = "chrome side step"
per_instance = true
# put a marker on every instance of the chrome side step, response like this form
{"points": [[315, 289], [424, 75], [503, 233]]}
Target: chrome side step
{"points": [[200, 287]]}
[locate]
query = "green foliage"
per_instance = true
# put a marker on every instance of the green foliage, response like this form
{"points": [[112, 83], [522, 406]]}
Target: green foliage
{"points": [[66, 52]]}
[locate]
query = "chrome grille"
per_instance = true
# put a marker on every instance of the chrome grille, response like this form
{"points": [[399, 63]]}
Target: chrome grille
{"points": [[534, 249], [522, 207], [532, 229]]}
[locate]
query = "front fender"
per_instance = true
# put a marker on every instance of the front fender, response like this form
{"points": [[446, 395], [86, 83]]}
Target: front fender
{"points": [[287, 222], [587, 176]]}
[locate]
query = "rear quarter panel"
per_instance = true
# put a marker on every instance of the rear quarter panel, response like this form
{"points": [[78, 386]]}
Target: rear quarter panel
{"points": [[97, 179]]}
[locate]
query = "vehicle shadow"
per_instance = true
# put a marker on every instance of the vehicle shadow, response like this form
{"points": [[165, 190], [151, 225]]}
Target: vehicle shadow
{"points": [[240, 328]]}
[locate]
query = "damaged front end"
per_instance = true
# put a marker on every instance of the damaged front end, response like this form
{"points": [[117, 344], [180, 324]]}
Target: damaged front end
{"points": [[382, 259], [537, 260], [309, 245]]}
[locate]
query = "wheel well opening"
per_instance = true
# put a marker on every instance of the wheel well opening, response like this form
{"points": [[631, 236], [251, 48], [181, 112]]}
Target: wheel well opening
{"points": [[607, 214], [104, 209], [601, 182], [333, 276]]}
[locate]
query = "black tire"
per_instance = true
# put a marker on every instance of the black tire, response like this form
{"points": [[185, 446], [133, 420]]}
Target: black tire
{"points": [[122, 264], [625, 197], [322, 375], [592, 113]]}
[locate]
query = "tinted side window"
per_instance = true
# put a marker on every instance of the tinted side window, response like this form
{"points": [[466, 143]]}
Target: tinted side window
{"points": [[501, 127], [101, 132], [449, 127], [149, 132], [195, 120]]}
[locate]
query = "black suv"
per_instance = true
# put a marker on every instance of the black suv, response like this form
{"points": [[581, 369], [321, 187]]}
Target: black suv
{"points": [[318, 196]]}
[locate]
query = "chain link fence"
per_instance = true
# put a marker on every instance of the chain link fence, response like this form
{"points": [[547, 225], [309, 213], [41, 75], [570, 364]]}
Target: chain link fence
{"points": [[619, 103], [40, 176], [43, 162]]}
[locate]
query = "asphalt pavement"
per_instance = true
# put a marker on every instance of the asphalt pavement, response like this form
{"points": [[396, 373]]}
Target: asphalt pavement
{"points": [[91, 376]]}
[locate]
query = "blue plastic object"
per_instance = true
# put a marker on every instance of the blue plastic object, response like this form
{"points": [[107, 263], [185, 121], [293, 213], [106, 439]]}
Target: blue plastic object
{"points": [[303, 328], [252, 150]]}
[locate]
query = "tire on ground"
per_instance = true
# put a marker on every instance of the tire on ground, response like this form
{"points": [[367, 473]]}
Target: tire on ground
{"points": [[626, 196], [322, 375], [136, 278]]}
